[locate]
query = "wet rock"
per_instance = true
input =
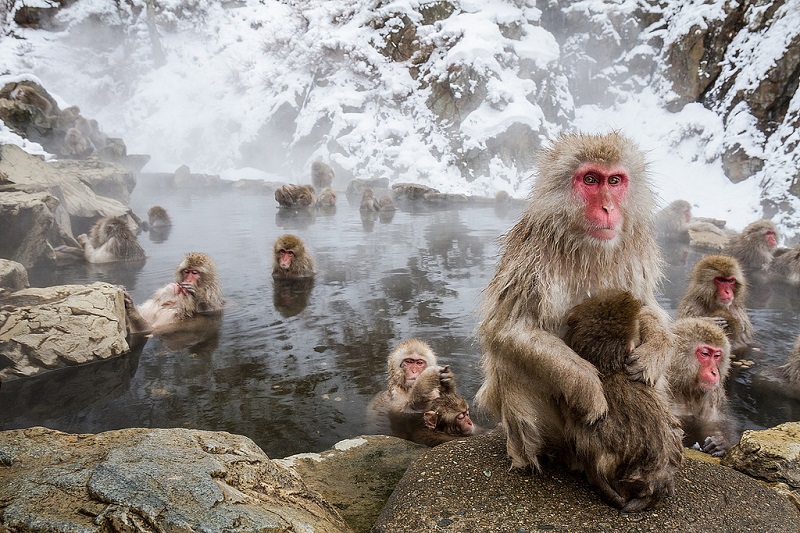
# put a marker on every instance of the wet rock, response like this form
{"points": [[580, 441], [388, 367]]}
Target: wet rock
{"points": [[357, 475], [103, 178], [151, 480], [13, 275], [467, 485], [47, 328], [185, 179], [772, 454], [27, 219]]}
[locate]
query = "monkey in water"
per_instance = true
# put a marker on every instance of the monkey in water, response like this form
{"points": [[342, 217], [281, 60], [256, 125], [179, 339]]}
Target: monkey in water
{"points": [[632, 453], [290, 259], [111, 239]]}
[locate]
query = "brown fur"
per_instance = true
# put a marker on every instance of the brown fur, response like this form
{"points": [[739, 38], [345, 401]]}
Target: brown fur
{"points": [[785, 266], [76, 145], [631, 454], [321, 174], [791, 369], [435, 426], [548, 265], [700, 298], [750, 247], [671, 223], [32, 93], [302, 266], [111, 239], [326, 198], [368, 200], [295, 196], [158, 217], [702, 413], [177, 302]]}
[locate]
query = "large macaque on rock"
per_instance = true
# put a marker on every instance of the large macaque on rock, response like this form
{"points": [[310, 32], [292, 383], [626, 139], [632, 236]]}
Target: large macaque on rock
{"points": [[196, 291], [632, 453], [754, 246], [697, 380], [587, 228], [718, 290], [111, 239], [290, 259]]}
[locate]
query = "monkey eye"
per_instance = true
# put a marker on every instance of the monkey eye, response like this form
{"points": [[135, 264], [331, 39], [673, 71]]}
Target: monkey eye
{"points": [[193, 272], [614, 180], [412, 361], [590, 179], [286, 252]]}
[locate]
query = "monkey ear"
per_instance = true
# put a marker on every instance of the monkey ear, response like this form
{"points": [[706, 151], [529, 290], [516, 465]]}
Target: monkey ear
{"points": [[430, 419]]}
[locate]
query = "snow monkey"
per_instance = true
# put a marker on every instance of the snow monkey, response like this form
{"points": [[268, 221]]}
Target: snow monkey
{"points": [[632, 453], [587, 227], [321, 174], [295, 196], [717, 289], [754, 246], [697, 381], [290, 259], [111, 239], [195, 291]]}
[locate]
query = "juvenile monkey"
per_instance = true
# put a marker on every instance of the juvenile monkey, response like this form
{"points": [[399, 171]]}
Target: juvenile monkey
{"points": [[326, 198], [290, 259], [697, 381], [158, 217], [76, 145], [446, 419], [718, 289], [111, 239], [632, 453], [368, 200], [321, 174], [196, 291], [587, 227]]}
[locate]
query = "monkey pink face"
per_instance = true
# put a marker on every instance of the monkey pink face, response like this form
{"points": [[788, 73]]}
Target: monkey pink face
{"points": [[687, 214], [465, 423], [190, 275], [285, 258], [725, 289], [771, 238], [602, 189], [413, 368], [709, 358]]}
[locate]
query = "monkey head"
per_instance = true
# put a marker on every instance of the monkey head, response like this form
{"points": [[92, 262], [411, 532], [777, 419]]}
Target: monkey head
{"points": [[723, 279], [407, 362], [763, 232], [703, 354], [604, 329], [607, 183], [449, 414], [286, 248], [197, 269]]}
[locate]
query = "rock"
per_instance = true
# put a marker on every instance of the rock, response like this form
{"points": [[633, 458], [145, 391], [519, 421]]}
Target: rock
{"points": [[357, 475], [708, 235], [27, 220], [13, 275], [184, 179], [772, 454], [105, 179], [53, 327], [467, 485], [356, 186], [151, 480], [412, 191]]}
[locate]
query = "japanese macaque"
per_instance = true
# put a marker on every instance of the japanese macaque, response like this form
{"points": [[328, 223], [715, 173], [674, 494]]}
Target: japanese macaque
{"points": [[785, 266], [321, 174], [290, 296], [587, 227], [295, 196], [291, 260], [370, 202], [632, 453], [76, 145], [196, 291], [326, 198], [672, 222], [157, 217], [32, 94], [111, 239], [447, 418], [717, 289], [754, 246], [697, 380], [790, 371]]}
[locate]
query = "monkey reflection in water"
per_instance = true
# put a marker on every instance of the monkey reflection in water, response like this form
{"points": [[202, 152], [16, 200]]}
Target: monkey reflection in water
{"points": [[186, 312], [421, 403]]}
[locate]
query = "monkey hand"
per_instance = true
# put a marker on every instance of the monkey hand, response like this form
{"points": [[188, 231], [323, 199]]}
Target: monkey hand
{"points": [[720, 321], [584, 394], [425, 389], [185, 288], [648, 361], [715, 445], [447, 381], [82, 239]]}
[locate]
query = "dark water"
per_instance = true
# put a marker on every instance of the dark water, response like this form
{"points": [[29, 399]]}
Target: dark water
{"points": [[298, 379]]}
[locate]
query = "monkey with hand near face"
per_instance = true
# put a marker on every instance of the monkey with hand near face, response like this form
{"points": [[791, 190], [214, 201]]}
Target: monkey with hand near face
{"points": [[587, 227], [111, 239], [632, 453]]}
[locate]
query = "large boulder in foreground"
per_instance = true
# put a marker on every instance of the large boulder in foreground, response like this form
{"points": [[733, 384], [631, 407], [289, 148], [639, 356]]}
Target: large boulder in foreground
{"points": [[468, 486], [151, 480], [64, 325], [772, 454]]}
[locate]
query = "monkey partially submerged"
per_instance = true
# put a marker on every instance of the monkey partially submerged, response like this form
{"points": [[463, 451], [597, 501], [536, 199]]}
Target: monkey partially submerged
{"points": [[632, 453]]}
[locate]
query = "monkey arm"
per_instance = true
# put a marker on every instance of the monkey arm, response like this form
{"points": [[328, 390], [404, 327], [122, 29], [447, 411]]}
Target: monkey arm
{"points": [[424, 390], [558, 371], [649, 361]]}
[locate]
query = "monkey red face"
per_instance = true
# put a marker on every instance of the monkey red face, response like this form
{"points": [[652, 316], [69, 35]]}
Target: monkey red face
{"points": [[413, 368], [602, 189], [771, 238], [725, 289], [709, 358], [285, 258], [687, 215], [190, 275], [465, 423]]}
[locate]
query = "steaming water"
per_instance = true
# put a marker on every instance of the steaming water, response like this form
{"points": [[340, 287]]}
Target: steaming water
{"points": [[300, 380]]}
